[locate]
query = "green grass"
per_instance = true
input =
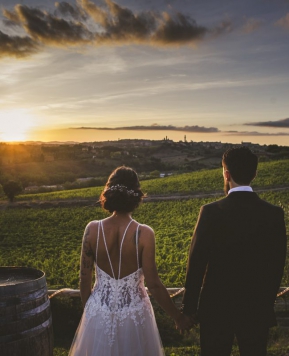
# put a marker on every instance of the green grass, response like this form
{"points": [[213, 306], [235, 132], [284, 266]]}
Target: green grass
{"points": [[50, 239], [277, 346], [274, 173], [83, 193]]}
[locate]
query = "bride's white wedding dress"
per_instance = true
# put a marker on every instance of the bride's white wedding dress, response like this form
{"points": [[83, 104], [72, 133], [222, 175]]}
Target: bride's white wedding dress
{"points": [[118, 318]]}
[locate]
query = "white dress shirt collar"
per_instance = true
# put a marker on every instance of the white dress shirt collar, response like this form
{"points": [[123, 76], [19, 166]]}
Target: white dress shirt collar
{"points": [[241, 188]]}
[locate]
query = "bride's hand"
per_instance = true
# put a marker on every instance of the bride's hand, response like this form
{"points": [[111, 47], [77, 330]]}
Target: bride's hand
{"points": [[184, 323]]}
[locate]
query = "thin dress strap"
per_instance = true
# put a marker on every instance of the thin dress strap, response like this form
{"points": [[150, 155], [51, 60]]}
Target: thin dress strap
{"points": [[104, 239], [121, 247], [107, 250], [136, 242], [97, 241]]}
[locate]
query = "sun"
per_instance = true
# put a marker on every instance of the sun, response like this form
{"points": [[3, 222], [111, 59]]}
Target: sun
{"points": [[15, 125]]}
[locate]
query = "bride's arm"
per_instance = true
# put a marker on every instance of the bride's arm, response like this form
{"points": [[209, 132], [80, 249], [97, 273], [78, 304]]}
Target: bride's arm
{"points": [[153, 282], [86, 265]]}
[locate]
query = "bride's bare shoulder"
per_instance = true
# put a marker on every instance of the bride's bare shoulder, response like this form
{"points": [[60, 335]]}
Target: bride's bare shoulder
{"points": [[146, 228], [91, 228], [146, 234]]}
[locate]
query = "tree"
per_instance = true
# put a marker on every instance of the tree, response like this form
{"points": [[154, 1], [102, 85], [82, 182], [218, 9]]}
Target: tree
{"points": [[11, 189], [155, 174]]}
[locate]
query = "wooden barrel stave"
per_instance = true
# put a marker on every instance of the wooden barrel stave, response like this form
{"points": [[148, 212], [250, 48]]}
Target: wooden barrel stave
{"points": [[25, 316]]}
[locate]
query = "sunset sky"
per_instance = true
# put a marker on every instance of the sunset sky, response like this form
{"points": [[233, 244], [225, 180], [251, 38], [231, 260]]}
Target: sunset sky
{"points": [[214, 70]]}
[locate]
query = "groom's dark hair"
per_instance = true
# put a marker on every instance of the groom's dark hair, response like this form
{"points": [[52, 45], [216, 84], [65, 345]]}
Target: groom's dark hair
{"points": [[242, 163]]}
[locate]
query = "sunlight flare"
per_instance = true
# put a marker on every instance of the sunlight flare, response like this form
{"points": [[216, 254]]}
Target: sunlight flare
{"points": [[15, 124]]}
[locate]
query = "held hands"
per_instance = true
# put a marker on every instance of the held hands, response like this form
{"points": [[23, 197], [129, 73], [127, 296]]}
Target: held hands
{"points": [[185, 322]]}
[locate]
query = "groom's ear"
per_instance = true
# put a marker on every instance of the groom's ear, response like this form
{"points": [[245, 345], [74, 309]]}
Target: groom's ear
{"points": [[227, 175]]}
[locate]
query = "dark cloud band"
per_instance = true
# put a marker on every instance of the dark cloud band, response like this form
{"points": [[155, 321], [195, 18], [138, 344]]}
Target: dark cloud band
{"points": [[87, 23], [17, 46], [155, 128], [278, 123], [255, 133]]}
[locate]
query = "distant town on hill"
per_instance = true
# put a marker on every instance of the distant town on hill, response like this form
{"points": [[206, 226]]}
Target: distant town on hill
{"points": [[42, 166]]}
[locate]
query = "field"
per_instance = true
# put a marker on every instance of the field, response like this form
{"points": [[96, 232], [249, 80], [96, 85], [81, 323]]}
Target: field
{"points": [[50, 239], [270, 174]]}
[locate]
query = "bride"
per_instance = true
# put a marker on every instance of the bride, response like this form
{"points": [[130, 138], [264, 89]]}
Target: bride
{"points": [[118, 318]]}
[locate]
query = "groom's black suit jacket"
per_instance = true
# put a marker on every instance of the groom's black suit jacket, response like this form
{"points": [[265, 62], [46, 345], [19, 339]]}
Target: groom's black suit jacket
{"points": [[236, 261]]}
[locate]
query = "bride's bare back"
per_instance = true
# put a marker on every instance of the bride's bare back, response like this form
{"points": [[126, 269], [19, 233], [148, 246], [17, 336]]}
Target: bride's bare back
{"points": [[115, 234], [114, 228]]}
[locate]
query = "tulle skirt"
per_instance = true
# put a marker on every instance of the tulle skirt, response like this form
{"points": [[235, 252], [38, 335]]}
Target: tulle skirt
{"points": [[133, 336]]}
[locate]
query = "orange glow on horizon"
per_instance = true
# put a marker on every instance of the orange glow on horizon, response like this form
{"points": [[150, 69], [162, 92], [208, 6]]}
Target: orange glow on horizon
{"points": [[86, 135]]}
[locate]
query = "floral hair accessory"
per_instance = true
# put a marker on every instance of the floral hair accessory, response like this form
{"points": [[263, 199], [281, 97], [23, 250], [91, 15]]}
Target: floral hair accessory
{"points": [[122, 188]]}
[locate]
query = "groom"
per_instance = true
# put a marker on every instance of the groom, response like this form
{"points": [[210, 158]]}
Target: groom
{"points": [[236, 263]]}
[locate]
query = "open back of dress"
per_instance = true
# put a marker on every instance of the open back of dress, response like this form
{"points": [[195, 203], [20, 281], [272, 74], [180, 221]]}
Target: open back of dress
{"points": [[118, 318]]}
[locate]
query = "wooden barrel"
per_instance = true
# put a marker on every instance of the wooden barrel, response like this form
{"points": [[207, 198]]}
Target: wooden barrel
{"points": [[25, 316]]}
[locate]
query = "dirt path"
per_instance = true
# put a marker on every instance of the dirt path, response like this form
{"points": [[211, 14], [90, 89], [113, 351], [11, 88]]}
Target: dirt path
{"points": [[216, 194], [91, 202]]}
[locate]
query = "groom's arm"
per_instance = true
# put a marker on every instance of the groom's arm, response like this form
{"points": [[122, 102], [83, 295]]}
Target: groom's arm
{"points": [[197, 262], [277, 256]]}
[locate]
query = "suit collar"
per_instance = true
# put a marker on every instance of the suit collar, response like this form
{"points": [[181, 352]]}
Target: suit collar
{"points": [[241, 188], [242, 195]]}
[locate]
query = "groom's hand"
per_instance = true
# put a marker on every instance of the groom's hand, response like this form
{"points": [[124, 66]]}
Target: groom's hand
{"points": [[186, 323]]}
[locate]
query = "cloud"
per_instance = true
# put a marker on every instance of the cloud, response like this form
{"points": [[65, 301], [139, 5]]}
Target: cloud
{"points": [[251, 25], [156, 127], [278, 123], [284, 22], [223, 27], [16, 46], [10, 18], [64, 8], [46, 29], [87, 23], [122, 25], [181, 29], [255, 133], [97, 13]]}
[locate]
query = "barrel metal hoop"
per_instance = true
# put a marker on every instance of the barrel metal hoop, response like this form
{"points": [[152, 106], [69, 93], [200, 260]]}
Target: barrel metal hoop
{"points": [[27, 333], [25, 314], [19, 299]]}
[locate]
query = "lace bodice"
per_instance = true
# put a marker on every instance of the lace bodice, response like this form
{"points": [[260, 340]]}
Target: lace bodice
{"points": [[118, 299], [118, 294]]}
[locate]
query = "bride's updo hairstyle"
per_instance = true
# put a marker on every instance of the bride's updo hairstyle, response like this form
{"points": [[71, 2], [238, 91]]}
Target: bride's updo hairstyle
{"points": [[122, 191]]}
